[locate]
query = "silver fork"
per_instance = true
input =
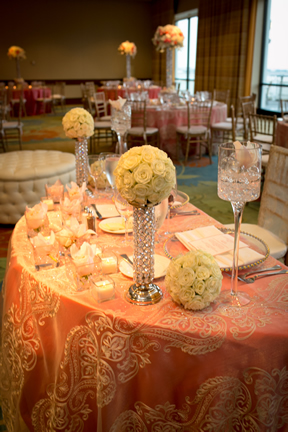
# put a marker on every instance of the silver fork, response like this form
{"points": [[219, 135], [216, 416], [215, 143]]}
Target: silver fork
{"points": [[276, 267], [252, 279], [126, 258]]}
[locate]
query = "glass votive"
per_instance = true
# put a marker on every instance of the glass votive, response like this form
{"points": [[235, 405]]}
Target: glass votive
{"points": [[49, 202], [37, 224], [72, 209], [46, 256], [55, 192], [102, 288], [81, 274], [109, 263]]}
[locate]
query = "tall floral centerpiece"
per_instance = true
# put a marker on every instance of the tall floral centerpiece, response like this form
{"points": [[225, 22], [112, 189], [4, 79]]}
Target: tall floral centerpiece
{"points": [[17, 53], [130, 50], [167, 38], [144, 177], [79, 125]]}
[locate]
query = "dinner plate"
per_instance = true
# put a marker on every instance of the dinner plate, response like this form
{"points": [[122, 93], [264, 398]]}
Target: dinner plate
{"points": [[160, 266], [107, 210], [181, 199], [112, 221], [173, 247]]}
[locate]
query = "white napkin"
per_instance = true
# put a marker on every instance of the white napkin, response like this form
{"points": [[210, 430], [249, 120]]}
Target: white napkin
{"points": [[117, 104]]}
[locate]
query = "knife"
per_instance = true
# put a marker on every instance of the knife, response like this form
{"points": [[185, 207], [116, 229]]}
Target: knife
{"points": [[97, 211]]}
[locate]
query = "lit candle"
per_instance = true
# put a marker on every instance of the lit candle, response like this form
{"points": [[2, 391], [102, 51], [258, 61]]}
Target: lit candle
{"points": [[49, 202], [105, 290], [109, 265]]}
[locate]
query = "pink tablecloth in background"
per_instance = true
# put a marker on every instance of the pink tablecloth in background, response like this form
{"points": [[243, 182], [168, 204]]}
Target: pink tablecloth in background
{"points": [[32, 106], [68, 363], [111, 93], [168, 119], [282, 134]]}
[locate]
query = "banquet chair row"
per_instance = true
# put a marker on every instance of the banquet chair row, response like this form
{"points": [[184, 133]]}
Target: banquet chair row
{"points": [[139, 133], [272, 225], [263, 131], [197, 131], [58, 95]]}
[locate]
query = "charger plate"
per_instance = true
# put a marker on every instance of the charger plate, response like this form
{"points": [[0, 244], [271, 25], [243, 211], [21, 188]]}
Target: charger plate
{"points": [[181, 199], [173, 247]]}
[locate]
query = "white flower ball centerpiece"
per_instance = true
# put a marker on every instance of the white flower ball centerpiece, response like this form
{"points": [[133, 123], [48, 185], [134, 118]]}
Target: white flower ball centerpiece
{"points": [[194, 280], [167, 38], [144, 177], [79, 125], [129, 49]]}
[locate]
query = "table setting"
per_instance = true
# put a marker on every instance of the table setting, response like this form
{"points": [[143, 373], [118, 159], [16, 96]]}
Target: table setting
{"points": [[107, 313]]}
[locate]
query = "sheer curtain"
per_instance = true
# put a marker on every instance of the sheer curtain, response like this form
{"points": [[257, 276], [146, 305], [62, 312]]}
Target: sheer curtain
{"points": [[225, 46]]}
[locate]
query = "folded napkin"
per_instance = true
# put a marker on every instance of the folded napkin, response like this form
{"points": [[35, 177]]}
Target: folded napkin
{"points": [[118, 104], [212, 240]]}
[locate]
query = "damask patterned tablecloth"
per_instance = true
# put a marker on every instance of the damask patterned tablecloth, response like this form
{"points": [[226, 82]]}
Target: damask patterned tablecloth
{"points": [[169, 118], [70, 364]]}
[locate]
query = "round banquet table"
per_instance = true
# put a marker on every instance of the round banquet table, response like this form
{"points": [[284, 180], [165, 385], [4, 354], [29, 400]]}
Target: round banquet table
{"points": [[69, 363], [31, 95], [169, 118], [282, 134]]}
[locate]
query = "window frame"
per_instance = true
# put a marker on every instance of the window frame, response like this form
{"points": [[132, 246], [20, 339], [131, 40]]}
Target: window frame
{"points": [[179, 17]]}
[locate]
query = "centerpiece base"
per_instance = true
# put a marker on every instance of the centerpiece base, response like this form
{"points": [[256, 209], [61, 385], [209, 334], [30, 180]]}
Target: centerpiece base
{"points": [[144, 295]]}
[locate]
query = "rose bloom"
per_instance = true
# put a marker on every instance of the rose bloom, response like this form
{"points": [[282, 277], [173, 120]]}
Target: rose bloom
{"points": [[143, 173], [202, 272], [35, 217], [141, 190], [131, 162], [148, 154], [159, 167], [186, 277]]}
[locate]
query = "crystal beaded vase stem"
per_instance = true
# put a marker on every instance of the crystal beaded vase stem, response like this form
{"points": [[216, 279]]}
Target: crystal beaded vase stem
{"points": [[143, 292], [81, 156], [169, 67], [128, 66]]}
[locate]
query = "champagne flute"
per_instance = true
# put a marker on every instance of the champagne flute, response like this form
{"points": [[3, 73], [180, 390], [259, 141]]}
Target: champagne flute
{"points": [[111, 162], [239, 180], [105, 155], [125, 210], [95, 169]]}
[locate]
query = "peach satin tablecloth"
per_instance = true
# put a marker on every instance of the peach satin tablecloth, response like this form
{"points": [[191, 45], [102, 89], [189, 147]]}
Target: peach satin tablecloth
{"points": [[282, 134], [168, 119], [31, 96], [70, 364]]}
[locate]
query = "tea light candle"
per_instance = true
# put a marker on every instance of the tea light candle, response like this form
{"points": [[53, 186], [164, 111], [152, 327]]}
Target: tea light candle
{"points": [[49, 202], [105, 290], [109, 264]]}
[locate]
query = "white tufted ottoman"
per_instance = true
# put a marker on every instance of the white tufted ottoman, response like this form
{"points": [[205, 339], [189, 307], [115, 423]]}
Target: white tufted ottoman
{"points": [[23, 175]]}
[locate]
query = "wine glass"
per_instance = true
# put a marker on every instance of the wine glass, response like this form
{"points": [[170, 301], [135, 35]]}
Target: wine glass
{"points": [[111, 162], [171, 201], [105, 155], [95, 168], [239, 179], [125, 210], [120, 123]]}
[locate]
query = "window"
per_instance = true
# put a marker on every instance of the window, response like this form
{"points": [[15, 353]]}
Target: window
{"points": [[274, 77], [185, 58]]}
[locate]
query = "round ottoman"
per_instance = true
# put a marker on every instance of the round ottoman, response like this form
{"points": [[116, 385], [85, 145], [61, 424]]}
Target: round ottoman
{"points": [[23, 175]]}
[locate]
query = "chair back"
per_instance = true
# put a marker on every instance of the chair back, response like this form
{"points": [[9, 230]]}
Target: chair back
{"points": [[138, 114], [244, 99], [263, 130], [100, 104], [273, 213], [59, 88], [199, 113], [221, 96], [284, 109], [247, 109]]}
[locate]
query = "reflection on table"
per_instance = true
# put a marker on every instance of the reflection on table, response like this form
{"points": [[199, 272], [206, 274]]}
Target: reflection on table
{"points": [[69, 363], [282, 134]]}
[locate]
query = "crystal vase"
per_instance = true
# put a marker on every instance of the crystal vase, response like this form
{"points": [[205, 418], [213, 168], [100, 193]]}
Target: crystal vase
{"points": [[81, 156], [128, 66], [120, 123], [144, 292], [169, 53]]}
